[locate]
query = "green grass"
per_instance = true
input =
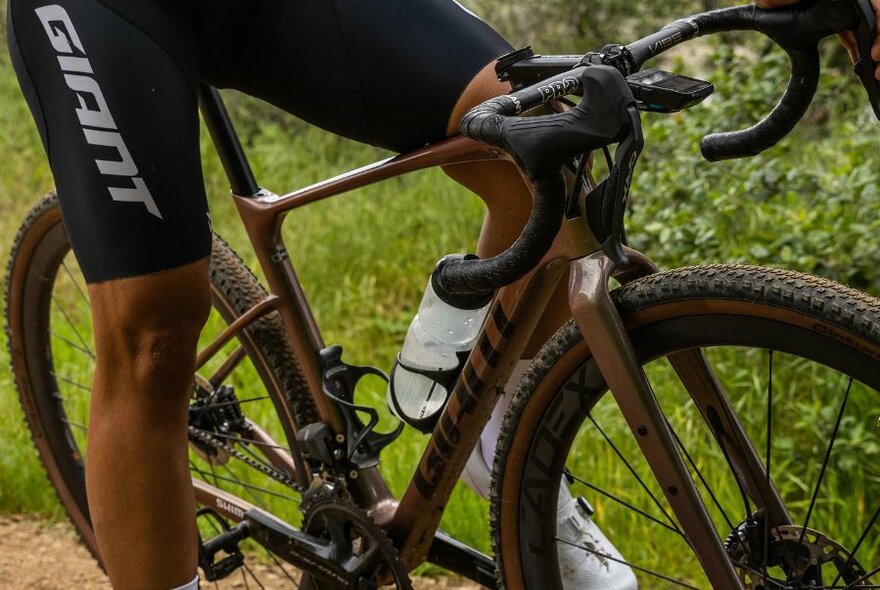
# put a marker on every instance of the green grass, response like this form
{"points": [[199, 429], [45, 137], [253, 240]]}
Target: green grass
{"points": [[364, 258]]}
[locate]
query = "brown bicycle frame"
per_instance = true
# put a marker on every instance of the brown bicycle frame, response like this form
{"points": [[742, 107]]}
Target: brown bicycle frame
{"points": [[513, 316]]}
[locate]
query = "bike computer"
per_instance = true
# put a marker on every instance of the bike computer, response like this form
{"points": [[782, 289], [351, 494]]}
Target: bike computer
{"points": [[659, 91]]}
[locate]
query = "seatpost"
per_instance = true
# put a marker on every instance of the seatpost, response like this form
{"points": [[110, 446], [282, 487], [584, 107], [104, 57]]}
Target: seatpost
{"points": [[235, 163]]}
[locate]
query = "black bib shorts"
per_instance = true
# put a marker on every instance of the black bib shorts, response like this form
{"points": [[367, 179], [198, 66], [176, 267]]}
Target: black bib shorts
{"points": [[112, 85]]}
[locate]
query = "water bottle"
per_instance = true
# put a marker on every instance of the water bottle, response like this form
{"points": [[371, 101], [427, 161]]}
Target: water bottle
{"points": [[437, 345]]}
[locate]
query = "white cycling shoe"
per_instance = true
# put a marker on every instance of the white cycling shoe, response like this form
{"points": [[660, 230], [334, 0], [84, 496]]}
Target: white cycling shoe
{"points": [[588, 561]]}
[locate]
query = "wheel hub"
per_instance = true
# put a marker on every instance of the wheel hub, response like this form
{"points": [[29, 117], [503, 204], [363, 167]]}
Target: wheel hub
{"points": [[218, 414]]}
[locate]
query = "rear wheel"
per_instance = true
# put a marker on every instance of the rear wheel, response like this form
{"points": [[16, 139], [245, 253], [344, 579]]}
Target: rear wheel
{"points": [[799, 362], [246, 401]]}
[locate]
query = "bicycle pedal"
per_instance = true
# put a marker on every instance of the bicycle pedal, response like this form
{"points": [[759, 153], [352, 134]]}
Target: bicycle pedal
{"points": [[221, 569], [226, 542]]}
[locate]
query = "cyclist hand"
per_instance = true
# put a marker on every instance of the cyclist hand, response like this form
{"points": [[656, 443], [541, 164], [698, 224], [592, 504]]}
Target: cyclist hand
{"points": [[847, 39]]}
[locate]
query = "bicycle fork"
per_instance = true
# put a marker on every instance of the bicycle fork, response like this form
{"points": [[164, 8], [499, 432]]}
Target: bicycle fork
{"points": [[612, 349]]}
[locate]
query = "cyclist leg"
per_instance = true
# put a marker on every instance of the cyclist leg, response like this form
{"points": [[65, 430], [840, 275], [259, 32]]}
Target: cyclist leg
{"points": [[137, 473], [118, 118]]}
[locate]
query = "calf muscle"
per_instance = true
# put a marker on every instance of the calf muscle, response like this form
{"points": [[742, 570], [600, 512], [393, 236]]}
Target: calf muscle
{"points": [[137, 474]]}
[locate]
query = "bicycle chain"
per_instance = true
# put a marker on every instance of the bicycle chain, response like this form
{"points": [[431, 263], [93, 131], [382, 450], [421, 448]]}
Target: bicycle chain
{"points": [[275, 474]]}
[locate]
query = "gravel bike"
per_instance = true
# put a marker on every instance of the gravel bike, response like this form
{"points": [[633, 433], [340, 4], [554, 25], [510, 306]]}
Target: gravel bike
{"points": [[724, 487]]}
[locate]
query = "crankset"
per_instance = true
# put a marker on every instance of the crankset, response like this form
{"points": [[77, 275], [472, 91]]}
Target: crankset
{"points": [[338, 548], [356, 541], [793, 558]]}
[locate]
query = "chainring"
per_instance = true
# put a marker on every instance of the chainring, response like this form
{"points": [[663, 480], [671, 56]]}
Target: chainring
{"points": [[357, 540]]}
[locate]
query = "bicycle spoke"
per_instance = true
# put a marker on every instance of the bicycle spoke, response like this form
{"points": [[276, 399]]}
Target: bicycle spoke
{"points": [[205, 475], [237, 401], [700, 475], [247, 440], [227, 367], [833, 587], [622, 503], [72, 344], [70, 381], [283, 569], [767, 463], [636, 475], [825, 461], [267, 468], [82, 427], [75, 284], [249, 486], [862, 579], [72, 325], [244, 571], [626, 563], [858, 544], [219, 478], [755, 572], [255, 457]]}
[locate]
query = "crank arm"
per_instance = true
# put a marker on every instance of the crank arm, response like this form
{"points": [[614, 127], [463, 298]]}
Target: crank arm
{"points": [[308, 553], [301, 550], [612, 349]]}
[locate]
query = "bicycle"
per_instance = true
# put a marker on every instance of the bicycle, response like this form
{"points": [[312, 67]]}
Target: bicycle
{"points": [[688, 335]]}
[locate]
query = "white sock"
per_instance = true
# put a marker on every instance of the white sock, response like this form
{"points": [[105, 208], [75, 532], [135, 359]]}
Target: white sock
{"points": [[194, 585], [477, 473]]}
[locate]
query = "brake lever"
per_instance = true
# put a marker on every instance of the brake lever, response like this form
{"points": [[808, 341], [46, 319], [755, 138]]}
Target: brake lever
{"points": [[865, 68], [606, 204]]}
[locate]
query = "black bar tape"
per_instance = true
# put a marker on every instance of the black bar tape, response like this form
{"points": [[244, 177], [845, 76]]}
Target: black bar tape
{"points": [[779, 123]]}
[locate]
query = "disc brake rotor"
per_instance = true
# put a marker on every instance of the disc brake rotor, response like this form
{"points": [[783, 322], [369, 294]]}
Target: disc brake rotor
{"points": [[810, 558]]}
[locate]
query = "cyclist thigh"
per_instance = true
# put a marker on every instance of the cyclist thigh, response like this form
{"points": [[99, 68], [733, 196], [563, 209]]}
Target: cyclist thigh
{"points": [[116, 109], [112, 85], [383, 72]]}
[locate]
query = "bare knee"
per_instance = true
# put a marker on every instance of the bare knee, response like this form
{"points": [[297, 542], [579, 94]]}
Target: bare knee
{"points": [[147, 330]]}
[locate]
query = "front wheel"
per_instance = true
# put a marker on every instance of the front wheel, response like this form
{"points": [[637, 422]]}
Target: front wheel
{"points": [[798, 363]]}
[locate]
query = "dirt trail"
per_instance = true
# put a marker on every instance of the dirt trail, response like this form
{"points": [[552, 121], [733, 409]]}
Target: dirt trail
{"points": [[35, 555]]}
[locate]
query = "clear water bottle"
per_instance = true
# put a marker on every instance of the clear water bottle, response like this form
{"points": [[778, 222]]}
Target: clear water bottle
{"points": [[437, 345]]}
